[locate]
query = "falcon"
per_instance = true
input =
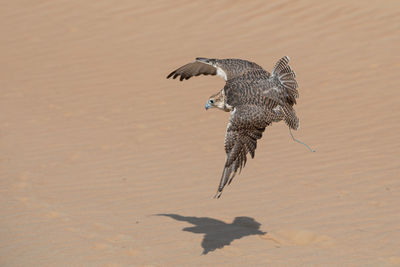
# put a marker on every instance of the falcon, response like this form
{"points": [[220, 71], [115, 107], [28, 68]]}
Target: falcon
{"points": [[254, 97]]}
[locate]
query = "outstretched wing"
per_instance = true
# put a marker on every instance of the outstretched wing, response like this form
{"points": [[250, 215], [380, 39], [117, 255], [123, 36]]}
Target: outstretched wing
{"points": [[246, 125], [193, 69], [228, 69]]}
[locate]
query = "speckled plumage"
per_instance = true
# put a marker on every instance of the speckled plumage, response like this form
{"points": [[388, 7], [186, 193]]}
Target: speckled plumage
{"points": [[255, 98]]}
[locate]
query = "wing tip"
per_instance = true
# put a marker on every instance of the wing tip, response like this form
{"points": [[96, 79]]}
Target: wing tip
{"points": [[218, 194], [169, 75]]}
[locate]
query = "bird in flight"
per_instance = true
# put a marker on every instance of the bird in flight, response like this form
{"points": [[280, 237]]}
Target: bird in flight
{"points": [[254, 97]]}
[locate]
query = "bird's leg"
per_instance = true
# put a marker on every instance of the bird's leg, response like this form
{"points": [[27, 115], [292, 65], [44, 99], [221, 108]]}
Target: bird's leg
{"points": [[298, 141]]}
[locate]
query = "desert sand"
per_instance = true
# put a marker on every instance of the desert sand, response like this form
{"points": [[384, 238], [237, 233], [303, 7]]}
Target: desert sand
{"points": [[104, 162]]}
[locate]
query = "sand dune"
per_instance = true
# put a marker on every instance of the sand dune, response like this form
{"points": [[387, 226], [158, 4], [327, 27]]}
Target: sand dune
{"points": [[95, 142]]}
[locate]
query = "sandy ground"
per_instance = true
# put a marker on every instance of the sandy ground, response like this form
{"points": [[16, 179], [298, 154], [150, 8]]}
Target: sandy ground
{"points": [[104, 162]]}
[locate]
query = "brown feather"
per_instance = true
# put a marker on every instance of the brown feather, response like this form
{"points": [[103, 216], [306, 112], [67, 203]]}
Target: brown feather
{"points": [[247, 123], [193, 69]]}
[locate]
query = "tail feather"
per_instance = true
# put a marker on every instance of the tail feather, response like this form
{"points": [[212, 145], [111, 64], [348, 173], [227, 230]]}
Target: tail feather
{"points": [[283, 74], [291, 118], [287, 78]]}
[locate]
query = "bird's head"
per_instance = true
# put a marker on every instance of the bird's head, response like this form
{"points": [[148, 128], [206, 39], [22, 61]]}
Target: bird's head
{"points": [[216, 101]]}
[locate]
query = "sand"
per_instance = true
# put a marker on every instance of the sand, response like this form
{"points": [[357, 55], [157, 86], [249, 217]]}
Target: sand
{"points": [[104, 162]]}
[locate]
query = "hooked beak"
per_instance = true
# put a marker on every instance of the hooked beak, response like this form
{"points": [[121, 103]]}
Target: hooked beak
{"points": [[207, 106]]}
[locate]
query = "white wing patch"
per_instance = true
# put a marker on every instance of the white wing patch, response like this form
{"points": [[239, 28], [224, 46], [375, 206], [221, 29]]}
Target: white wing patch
{"points": [[221, 73]]}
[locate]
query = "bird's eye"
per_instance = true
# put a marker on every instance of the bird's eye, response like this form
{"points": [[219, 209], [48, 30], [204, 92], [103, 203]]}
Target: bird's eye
{"points": [[211, 101]]}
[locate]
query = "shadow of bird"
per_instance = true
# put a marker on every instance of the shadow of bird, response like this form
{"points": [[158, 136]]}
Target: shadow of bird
{"points": [[218, 234]]}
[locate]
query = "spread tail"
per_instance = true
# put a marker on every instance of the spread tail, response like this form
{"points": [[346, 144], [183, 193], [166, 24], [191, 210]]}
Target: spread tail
{"points": [[287, 79]]}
